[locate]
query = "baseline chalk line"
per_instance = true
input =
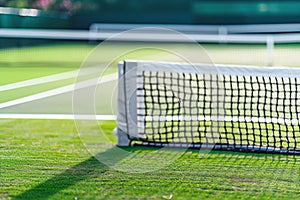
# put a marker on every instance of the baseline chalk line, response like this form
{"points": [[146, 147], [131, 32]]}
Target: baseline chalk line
{"points": [[61, 90], [48, 79], [59, 117]]}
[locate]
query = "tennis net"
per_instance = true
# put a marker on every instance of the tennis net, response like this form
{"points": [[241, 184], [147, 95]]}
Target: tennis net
{"points": [[239, 108]]}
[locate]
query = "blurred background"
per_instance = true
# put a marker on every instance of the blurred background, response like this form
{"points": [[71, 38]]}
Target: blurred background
{"points": [[80, 14]]}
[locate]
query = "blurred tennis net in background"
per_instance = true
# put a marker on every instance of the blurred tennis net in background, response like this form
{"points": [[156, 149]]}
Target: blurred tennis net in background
{"points": [[249, 44]]}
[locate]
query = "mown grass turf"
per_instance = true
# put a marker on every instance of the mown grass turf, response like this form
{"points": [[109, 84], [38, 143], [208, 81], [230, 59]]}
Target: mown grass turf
{"points": [[45, 159], [16, 74], [18, 64]]}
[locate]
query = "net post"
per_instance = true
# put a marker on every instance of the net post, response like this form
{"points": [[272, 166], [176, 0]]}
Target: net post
{"points": [[123, 140], [127, 108]]}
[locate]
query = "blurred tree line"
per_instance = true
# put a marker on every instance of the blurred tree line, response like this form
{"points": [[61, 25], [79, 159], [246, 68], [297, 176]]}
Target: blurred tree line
{"points": [[82, 13], [71, 6], [75, 6]]}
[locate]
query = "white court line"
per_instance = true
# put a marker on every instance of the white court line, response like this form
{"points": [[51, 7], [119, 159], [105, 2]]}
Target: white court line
{"points": [[59, 116], [61, 90], [36, 81], [47, 79], [220, 119]]}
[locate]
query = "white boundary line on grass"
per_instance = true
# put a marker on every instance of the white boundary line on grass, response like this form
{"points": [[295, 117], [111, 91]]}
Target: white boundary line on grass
{"points": [[41, 80], [47, 79], [61, 90], [58, 116]]}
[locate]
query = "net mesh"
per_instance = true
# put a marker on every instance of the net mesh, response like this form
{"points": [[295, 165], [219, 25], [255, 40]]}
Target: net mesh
{"points": [[251, 113]]}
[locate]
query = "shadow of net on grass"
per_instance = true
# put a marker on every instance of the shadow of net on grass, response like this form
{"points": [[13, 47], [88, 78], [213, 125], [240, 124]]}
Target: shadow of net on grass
{"points": [[92, 168], [80, 172], [239, 169]]}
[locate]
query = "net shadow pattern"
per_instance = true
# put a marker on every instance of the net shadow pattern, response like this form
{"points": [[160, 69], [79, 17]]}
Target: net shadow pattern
{"points": [[228, 112]]}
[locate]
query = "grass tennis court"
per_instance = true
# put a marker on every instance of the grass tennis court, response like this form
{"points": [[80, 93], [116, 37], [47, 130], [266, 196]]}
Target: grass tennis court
{"points": [[45, 159]]}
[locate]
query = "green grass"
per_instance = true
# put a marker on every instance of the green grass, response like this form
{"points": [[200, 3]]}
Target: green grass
{"points": [[26, 91], [68, 52], [42, 159], [13, 74], [18, 64]]}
